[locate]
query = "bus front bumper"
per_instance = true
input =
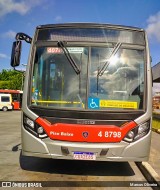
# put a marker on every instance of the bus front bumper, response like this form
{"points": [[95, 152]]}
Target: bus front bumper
{"points": [[123, 151]]}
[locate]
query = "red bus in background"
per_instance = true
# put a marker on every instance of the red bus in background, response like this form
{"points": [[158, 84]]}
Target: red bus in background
{"points": [[16, 97]]}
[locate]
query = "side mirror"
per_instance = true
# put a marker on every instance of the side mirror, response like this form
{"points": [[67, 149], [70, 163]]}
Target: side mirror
{"points": [[16, 53]]}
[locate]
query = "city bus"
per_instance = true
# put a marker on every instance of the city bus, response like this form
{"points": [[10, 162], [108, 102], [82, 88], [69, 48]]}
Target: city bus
{"points": [[87, 92], [16, 96], [6, 102]]}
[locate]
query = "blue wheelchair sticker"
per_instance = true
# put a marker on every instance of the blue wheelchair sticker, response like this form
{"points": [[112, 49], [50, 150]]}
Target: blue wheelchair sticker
{"points": [[93, 103]]}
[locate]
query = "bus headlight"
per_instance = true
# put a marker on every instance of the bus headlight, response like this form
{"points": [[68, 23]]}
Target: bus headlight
{"points": [[142, 128], [138, 132], [29, 122], [33, 127], [40, 130]]}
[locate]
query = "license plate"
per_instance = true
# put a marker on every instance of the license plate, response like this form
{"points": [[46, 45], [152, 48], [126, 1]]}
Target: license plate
{"points": [[84, 156]]}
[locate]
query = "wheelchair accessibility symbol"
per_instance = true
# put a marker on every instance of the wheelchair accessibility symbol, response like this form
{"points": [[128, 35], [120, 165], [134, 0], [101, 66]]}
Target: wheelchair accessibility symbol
{"points": [[93, 103]]}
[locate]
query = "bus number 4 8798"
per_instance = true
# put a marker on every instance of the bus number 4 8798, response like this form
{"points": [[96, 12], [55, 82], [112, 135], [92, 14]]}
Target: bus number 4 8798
{"points": [[110, 134]]}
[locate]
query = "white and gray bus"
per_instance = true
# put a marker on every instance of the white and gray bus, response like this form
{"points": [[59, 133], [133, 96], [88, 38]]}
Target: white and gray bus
{"points": [[87, 92]]}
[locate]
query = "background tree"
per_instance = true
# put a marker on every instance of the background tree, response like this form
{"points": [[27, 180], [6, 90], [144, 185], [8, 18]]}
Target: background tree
{"points": [[11, 79]]}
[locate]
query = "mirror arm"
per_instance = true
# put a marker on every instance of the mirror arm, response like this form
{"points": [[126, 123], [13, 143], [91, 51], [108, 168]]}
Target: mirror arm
{"points": [[23, 36]]}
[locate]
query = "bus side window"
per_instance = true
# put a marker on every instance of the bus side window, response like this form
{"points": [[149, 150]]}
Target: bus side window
{"points": [[5, 99]]}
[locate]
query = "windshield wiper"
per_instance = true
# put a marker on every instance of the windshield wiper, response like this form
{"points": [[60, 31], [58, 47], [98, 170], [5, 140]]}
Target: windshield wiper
{"points": [[115, 49], [69, 57]]}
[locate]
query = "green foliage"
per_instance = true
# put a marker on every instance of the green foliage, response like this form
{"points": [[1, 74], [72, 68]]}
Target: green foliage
{"points": [[11, 79], [156, 123], [4, 84]]}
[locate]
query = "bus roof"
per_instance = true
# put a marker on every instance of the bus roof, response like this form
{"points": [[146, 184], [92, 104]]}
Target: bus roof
{"points": [[76, 25], [11, 91]]}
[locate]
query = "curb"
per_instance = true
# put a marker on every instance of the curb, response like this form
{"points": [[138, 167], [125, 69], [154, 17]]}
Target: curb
{"points": [[149, 173]]}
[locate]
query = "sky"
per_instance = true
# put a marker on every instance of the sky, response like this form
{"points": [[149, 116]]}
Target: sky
{"points": [[25, 15]]}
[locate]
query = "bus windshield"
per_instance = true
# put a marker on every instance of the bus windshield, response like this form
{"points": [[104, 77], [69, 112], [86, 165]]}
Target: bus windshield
{"points": [[55, 84]]}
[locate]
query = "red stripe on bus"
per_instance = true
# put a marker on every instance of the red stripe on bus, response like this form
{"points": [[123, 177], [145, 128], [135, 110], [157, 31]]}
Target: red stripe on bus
{"points": [[85, 133]]}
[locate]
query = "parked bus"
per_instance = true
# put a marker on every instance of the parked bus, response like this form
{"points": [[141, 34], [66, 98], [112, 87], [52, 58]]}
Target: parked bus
{"points": [[87, 92], [16, 97], [6, 102]]}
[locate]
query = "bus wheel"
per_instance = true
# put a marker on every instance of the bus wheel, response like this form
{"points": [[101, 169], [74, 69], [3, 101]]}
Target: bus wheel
{"points": [[5, 109]]}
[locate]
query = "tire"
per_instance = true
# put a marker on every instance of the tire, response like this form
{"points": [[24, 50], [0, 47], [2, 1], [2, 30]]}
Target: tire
{"points": [[5, 108]]}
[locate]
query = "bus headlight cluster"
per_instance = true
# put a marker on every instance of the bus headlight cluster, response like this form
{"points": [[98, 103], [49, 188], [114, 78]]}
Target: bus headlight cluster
{"points": [[33, 127], [138, 132], [29, 122]]}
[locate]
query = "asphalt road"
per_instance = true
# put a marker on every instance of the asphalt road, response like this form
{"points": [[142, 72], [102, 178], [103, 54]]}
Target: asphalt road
{"points": [[69, 173]]}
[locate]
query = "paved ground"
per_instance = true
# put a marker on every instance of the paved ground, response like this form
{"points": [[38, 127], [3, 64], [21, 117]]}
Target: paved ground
{"points": [[154, 159], [79, 172]]}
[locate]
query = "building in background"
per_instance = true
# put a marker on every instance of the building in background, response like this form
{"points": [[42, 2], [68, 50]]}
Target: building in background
{"points": [[156, 100]]}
